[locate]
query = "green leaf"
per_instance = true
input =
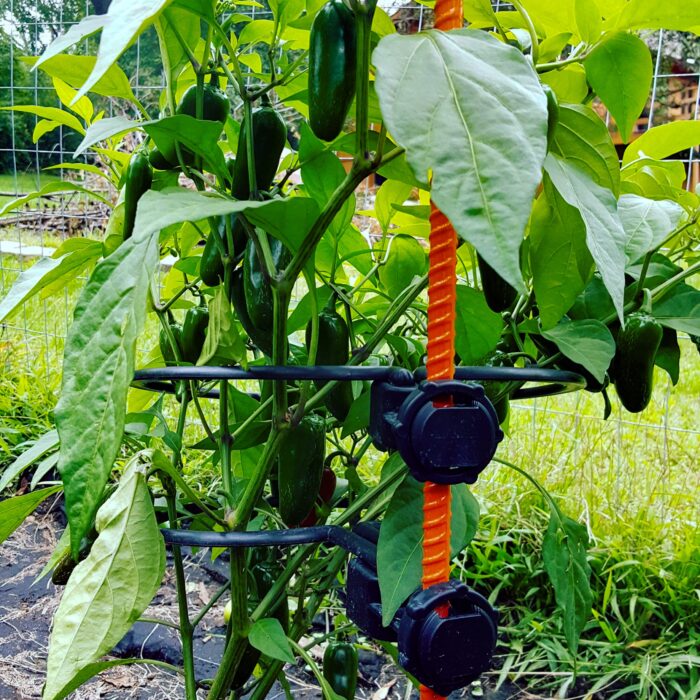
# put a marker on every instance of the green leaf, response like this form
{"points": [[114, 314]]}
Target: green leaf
{"points": [[559, 259], [105, 129], [302, 311], [198, 135], [174, 26], [74, 70], [620, 71], [647, 222], [407, 259], [61, 549], [479, 11], [583, 138], [478, 329], [222, 344], [47, 442], [400, 547], [587, 342], [45, 191], [109, 590], [663, 141], [564, 555], [597, 207], [98, 368], [469, 82], [390, 193], [588, 20], [321, 173], [569, 83], [77, 32], [126, 19], [646, 14], [14, 510], [49, 271], [358, 415], [668, 356], [54, 114], [680, 309], [267, 636], [288, 219]]}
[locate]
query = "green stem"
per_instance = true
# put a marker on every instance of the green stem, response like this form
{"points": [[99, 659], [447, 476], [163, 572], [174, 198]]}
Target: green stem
{"points": [[530, 28], [281, 298], [225, 443], [186, 629], [363, 23]]}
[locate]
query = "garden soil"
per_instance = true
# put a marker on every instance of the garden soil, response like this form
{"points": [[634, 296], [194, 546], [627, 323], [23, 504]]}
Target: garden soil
{"points": [[26, 609]]}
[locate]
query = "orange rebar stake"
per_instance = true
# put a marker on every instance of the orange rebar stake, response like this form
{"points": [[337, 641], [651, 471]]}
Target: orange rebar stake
{"points": [[442, 293]]}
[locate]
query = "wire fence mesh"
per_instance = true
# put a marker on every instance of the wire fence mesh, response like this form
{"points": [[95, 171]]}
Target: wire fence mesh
{"points": [[32, 340]]}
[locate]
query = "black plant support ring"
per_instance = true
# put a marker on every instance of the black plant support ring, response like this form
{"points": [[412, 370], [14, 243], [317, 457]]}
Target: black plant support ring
{"points": [[548, 382]]}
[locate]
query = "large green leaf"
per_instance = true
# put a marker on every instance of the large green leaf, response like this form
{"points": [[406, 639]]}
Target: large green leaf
{"points": [[407, 259], [680, 309], [647, 222], [466, 93], [663, 141], [583, 138], [619, 69], [564, 555], [288, 219], [98, 368], [559, 259], [126, 19], [198, 135], [74, 70], [222, 344], [77, 32], [47, 442], [400, 547], [48, 272], [176, 27], [109, 590], [597, 207], [51, 188], [105, 129], [681, 15], [478, 329], [54, 114], [14, 510], [267, 636], [322, 172], [587, 342]]}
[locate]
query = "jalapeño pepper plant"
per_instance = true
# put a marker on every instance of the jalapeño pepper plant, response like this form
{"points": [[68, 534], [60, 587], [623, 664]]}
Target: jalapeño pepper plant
{"points": [[568, 258]]}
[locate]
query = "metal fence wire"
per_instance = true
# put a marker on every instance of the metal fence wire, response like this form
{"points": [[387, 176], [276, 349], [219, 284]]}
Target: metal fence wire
{"points": [[31, 342]]}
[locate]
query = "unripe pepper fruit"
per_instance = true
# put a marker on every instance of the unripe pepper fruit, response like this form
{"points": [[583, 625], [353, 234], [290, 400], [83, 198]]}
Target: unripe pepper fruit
{"points": [[332, 69], [340, 668], [633, 365], [137, 181]]}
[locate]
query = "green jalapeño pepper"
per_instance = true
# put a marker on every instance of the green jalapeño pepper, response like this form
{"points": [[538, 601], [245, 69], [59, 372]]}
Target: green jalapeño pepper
{"points": [[333, 349], [194, 332], [499, 294], [332, 69], [211, 265], [637, 344], [166, 349], [269, 137], [137, 181], [300, 468], [259, 302], [215, 105], [340, 668]]}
